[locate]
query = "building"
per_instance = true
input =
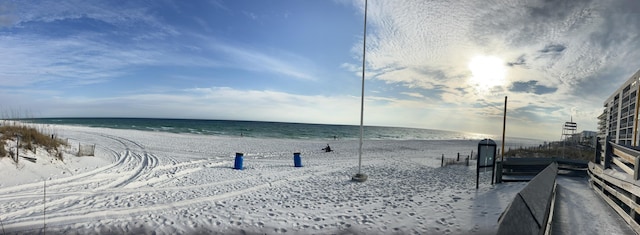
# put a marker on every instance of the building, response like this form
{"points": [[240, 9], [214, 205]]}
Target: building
{"points": [[619, 118], [602, 124], [584, 138], [587, 138]]}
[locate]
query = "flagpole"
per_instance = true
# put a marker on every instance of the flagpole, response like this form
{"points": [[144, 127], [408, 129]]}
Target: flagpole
{"points": [[360, 177]]}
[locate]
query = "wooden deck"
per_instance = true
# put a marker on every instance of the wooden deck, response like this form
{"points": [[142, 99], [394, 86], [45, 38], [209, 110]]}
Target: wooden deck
{"points": [[610, 185]]}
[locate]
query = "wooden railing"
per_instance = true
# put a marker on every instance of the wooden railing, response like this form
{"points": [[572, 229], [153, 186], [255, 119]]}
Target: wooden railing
{"points": [[618, 184], [524, 169], [531, 210], [626, 158]]}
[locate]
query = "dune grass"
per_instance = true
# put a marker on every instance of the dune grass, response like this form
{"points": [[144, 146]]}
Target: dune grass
{"points": [[30, 138], [570, 151], [3, 152]]}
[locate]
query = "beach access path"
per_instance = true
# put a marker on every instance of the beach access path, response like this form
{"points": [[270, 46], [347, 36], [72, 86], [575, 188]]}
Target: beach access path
{"points": [[579, 210]]}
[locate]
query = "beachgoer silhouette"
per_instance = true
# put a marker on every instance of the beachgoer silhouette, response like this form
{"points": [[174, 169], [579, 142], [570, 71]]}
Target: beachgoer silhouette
{"points": [[327, 149]]}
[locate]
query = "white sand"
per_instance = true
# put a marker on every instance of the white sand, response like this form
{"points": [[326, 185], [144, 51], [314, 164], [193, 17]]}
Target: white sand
{"points": [[153, 182]]}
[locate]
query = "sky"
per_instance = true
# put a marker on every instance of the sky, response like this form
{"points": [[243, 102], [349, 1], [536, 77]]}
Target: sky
{"points": [[444, 65]]}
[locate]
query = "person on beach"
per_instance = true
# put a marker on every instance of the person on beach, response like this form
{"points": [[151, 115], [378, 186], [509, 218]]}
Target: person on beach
{"points": [[327, 149]]}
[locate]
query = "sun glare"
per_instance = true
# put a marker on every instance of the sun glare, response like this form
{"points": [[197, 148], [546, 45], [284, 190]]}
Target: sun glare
{"points": [[487, 72]]}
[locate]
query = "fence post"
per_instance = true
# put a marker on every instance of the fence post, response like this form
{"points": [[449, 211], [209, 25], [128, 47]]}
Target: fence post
{"points": [[608, 152], [598, 150], [18, 147]]}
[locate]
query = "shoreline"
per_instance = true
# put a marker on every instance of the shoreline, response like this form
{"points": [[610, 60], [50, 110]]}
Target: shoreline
{"points": [[276, 130]]}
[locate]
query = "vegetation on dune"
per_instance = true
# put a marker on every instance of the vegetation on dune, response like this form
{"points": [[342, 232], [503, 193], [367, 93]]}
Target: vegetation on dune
{"points": [[3, 152], [30, 137], [558, 149]]}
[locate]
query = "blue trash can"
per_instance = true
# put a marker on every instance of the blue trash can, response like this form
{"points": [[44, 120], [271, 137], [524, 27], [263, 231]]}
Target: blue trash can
{"points": [[297, 160], [238, 162]]}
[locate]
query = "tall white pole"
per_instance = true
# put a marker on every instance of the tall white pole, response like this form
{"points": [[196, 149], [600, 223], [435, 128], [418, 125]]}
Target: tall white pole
{"points": [[362, 177]]}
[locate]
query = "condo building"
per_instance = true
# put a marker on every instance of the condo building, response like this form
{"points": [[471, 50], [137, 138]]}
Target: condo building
{"points": [[619, 119]]}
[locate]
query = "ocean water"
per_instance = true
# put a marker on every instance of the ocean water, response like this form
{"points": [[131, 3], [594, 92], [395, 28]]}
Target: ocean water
{"points": [[280, 130]]}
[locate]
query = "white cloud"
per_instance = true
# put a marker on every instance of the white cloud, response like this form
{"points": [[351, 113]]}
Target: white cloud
{"points": [[81, 57], [413, 94], [559, 44], [7, 15], [417, 63], [251, 15], [77, 60], [278, 61]]}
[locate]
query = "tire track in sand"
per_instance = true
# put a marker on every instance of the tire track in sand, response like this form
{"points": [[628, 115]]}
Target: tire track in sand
{"points": [[114, 213], [98, 178]]}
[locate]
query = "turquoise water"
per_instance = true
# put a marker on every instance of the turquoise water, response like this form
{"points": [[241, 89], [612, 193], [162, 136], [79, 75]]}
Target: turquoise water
{"points": [[265, 129]]}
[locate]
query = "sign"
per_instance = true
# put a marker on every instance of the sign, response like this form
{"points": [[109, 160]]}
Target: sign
{"points": [[486, 158], [486, 153]]}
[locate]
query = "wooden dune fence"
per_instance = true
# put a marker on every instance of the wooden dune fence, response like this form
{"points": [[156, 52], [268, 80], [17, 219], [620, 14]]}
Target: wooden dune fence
{"points": [[614, 176], [86, 149], [459, 160]]}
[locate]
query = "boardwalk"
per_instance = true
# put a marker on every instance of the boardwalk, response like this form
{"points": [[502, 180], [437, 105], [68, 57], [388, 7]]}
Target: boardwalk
{"points": [[579, 210]]}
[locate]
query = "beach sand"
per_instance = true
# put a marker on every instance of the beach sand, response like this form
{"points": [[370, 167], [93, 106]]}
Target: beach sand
{"points": [[165, 183]]}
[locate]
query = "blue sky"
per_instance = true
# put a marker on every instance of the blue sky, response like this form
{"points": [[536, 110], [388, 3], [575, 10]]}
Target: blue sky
{"points": [[429, 64]]}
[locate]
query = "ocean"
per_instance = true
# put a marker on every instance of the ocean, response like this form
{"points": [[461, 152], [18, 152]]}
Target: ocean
{"points": [[280, 130]]}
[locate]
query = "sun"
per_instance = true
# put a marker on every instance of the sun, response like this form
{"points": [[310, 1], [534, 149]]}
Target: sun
{"points": [[487, 72]]}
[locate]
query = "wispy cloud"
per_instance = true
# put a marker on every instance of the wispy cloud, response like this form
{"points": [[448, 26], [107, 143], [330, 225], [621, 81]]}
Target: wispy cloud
{"points": [[103, 42], [251, 15], [277, 61], [77, 56], [7, 14], [78, 61], [552, 48], [413, 94], [230, 104], [219, 4], [560, 58]]}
